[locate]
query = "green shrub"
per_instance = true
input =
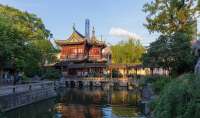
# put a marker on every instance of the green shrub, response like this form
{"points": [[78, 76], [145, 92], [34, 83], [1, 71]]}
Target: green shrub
{"points": [[180, 99], [160, 83], [25, 78], [51, 74], [152, 104]]}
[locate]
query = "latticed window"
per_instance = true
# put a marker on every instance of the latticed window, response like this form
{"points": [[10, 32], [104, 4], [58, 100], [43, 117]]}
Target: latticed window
{"points": [[80, 50]]}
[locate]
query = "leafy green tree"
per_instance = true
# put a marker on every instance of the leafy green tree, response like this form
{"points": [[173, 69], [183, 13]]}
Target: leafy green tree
{"points": [[11, 43], [158, 54], [170, 16], [176, 20], [181, 53], [24, 43], [46, 49], [172, 53], [127, 52], [28, 24]]}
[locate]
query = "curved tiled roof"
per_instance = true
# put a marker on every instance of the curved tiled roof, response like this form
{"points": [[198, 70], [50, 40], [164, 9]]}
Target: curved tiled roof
{"points": [[78, 38], [75, 38]]}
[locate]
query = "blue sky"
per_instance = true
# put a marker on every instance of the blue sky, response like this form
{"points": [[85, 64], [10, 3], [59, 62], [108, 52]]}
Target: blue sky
{"points": [[59, 16]]}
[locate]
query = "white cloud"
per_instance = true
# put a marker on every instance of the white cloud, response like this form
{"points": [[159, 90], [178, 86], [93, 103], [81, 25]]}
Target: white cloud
{"points": [[119, 32]]}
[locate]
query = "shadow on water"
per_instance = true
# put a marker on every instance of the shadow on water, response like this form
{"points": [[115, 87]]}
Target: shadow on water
{"points": [[83, 103]]}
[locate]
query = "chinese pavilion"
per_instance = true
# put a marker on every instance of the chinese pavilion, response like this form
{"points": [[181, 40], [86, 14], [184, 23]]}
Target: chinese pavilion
{"points": [[81, 56]]}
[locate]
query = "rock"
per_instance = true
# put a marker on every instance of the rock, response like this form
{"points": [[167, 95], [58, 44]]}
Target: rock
{"points": [[197, 67]]}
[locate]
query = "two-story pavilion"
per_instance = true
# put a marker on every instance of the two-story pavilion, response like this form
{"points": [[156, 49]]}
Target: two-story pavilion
{"points": [[81, 56]]}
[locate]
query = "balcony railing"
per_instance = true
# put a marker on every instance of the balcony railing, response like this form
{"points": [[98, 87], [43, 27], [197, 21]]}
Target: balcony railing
{"points": [[74, 57]]}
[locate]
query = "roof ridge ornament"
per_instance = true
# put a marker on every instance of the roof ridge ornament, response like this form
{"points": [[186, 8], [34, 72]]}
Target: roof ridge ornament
{"points": [[74, 27]]}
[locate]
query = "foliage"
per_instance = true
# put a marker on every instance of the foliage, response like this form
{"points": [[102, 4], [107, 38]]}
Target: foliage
{"points": [[24, 44], [28, 24], [51, 74], [170, 16], [176, 21], [127, 52], [25, 79], [158, 82], [11, 44], [46, 49], [152, 104], [158, 53], [171, 52], [180, 99], [184, 60]]}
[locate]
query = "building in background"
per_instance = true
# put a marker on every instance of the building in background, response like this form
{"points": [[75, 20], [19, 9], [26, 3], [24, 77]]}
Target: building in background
{"points": [[82, 55]]}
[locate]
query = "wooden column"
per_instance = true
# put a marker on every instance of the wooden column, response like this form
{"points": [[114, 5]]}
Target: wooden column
{"points": [[111, 73], [124, 73]]}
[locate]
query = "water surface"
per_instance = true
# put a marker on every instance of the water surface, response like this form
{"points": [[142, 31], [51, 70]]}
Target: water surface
{"points": [[83, 103]]}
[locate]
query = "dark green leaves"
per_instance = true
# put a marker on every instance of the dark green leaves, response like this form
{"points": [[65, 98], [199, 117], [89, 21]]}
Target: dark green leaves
{"points": [[172, 53], [24, 41], [28, 24], [180, 99]]}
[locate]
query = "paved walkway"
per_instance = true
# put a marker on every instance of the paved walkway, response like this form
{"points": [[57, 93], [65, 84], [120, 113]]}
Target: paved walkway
{"points": [[10, 89]]}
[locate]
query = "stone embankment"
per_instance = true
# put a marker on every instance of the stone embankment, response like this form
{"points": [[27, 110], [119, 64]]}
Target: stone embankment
{"points": [[147, 95], [12, 97]]}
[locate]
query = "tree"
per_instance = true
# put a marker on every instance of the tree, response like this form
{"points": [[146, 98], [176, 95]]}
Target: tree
{"points": [[127, 52], [28, 24], [46, 49], [24, 43], [158, 53], [14, 51], [172, 53], [170, 16], [11, 43], [176, 21], [181, 53]]}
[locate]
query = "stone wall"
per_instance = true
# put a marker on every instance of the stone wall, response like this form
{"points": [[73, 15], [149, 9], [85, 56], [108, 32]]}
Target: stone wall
{"points": [[12, 101]]}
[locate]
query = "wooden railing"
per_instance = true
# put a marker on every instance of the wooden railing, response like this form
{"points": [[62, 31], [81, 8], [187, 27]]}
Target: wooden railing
{"points": [[97, 79], [75, 57]]}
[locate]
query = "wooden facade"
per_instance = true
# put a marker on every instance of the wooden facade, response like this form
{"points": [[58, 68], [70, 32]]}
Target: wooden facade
{"points": [[81, 56]]}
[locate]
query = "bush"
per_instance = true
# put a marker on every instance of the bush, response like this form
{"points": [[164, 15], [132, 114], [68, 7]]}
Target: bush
{"points": [[25, 79], [51, 74], [180, 99], [152, 104], [158, 82]]}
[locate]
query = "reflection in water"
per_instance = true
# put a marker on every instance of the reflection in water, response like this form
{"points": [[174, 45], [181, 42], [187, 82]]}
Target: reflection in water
{"points": [[83, 103]]}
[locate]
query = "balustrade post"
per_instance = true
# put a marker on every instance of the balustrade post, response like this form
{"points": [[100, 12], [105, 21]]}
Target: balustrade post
{"points": [[14, 89], [42, 85], [30, 87], [54, 84]]}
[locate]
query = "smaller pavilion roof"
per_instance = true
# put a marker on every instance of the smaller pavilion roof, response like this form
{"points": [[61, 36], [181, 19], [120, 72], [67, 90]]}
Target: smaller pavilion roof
{"points": [[94, 41]]}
